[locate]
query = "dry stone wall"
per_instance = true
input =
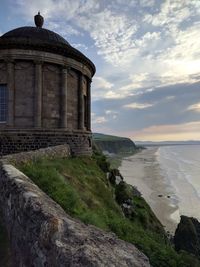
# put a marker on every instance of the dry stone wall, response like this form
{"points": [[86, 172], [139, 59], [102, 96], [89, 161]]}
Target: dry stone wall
{"points": [[42, 234], [61, 151]]}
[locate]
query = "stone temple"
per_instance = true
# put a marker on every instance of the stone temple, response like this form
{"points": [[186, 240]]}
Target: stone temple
{"points": [[44, 92]]}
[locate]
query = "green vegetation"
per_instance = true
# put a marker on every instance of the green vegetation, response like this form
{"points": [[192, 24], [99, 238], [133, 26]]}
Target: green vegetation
{"points": [[114, 144], [80, 186], [117, 147], [106, 137]]}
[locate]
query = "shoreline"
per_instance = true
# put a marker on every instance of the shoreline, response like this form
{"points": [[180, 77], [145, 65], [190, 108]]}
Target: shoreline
{"points": [[142, 170]]}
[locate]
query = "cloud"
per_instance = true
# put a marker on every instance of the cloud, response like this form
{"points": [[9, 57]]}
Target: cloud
{"points": [[80, 46], [102, 88], [108, 112], [147, 3], [185, 131], [137, 106], [112, 34], [194, 107], [101, 83], [98, 119], [63, 28]]}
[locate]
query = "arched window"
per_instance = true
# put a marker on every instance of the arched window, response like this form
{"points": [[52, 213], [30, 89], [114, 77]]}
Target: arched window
{"points": [[3, 103]]}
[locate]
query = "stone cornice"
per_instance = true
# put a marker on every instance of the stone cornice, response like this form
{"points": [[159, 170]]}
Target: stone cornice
{"points": [[56, 48]]}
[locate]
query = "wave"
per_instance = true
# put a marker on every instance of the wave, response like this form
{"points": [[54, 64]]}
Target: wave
{"points": [[180, 167]]}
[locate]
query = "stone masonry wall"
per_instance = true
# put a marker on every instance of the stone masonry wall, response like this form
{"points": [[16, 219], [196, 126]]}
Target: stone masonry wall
{"points": [[42, 234], [24, 94], [18, 141], [51, 96], [72, 100], [61, 151]]}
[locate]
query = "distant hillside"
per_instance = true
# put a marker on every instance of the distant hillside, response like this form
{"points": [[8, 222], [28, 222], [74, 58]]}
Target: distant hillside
{"points": [[114, 144]]}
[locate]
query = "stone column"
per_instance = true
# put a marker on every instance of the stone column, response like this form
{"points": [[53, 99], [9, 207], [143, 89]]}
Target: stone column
{"points": [[63, 113], [89, 104], [38, 95], [80, 103], [11, 88]]}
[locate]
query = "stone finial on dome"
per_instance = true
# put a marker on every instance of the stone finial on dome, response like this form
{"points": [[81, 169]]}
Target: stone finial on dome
{"points": [[39, 20]]}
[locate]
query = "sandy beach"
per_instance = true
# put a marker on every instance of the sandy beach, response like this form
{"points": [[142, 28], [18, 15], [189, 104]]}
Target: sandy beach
{"points": [[142, 170]]}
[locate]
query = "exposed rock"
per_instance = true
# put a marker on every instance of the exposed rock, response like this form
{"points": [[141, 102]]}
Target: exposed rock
{"points": [[187, 235], [115, 177], [42, 234]]}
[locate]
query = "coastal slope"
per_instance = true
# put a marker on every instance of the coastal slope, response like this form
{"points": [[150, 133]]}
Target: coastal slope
{"points": [[83, 189], [114, 144]]}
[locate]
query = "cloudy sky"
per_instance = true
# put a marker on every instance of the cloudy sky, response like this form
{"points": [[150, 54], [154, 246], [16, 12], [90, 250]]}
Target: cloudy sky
{"points": [[147, 55]]}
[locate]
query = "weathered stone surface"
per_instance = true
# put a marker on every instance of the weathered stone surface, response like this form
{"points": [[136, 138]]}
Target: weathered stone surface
{"points": [[42, 234], [61, 151]]}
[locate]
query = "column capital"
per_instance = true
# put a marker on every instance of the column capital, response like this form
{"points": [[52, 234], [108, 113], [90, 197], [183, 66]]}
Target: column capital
{"points": [[9, 60], [65, 70], [38, 62]]}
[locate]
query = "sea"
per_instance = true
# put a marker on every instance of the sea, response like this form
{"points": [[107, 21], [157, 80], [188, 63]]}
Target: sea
{"points": [[169, 179], [180, 167]]}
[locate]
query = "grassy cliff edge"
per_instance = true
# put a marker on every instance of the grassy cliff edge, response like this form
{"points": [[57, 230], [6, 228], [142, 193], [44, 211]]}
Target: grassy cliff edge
{"points": [[80, 185]]}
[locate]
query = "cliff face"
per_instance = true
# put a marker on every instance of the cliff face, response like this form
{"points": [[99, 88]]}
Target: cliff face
{"points": [[187, 235], [114, 144]]}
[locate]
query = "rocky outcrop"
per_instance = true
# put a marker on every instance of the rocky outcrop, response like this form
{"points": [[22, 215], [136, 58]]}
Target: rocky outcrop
{"points": [[187, 235], [42, 234]]}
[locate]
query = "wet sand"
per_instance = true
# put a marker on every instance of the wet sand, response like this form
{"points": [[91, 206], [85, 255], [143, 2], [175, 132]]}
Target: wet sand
{"points": [[143, 171]]}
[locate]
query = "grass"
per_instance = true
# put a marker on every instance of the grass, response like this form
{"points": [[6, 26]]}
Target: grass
{"points": [[80, 186]]}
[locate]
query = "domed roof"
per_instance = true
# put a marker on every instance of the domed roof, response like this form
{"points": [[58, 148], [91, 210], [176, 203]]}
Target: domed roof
{"points": [[38, 38], [35, 33]]}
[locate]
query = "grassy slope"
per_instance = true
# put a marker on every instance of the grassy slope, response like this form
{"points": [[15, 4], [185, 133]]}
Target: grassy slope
{"points": [[122, 151], [106, 137], [81, 188]]}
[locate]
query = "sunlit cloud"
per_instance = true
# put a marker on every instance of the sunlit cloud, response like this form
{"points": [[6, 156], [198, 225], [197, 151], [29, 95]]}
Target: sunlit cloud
{"points": [[137, 106], [185, 131], [98, 119], [195, 107]]}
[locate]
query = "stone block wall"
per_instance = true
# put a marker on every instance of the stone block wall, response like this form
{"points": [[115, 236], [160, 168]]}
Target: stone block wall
{"points": [[51, 96], [72, 99], [35, 90], [24, 93], [23, 140], [42, 234], [3, 73], [61, 151]]}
